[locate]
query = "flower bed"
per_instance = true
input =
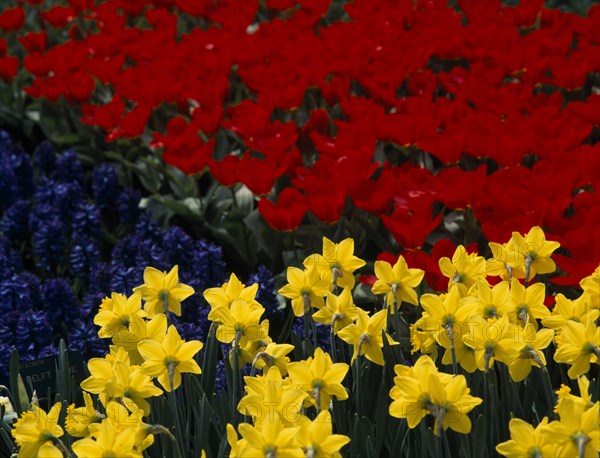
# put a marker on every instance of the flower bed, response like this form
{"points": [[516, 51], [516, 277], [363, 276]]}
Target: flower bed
{"points": [[440, 162]]}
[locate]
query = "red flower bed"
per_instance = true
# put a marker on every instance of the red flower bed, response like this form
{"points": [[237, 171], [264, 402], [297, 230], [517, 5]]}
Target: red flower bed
{"points": [[395, 107]]}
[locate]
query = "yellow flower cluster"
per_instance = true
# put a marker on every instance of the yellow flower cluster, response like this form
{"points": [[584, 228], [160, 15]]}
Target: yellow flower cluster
{"points": [[477, 324], [275, 405], [275, 399], [144, 348], [421, 390], [480, 320], [317, 286], [576, 433]]}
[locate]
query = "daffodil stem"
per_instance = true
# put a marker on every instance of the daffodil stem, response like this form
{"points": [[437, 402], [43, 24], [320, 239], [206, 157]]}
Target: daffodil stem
{"points": [[438, 446], [317, 392], [172, 397], [454, 365], [397, 325], [334, 354], [528, 262], [550, 397], [491, 406], [306, 325], [166, 310], [450, 333], [61, 446], [582, 442], [357, 385], [423, 438], [445, 442], [235, 373]]}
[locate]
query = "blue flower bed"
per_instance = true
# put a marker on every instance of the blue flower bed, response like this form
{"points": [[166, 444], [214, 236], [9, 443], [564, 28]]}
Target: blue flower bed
{"points": [[69, 236]]}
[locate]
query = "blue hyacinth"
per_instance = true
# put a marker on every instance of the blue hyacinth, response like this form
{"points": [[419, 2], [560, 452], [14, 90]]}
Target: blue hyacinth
{"points": [[60, 255], [105, 185]]}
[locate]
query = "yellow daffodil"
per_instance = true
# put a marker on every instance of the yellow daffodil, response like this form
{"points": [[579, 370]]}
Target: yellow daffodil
{"points": [[107, 443], [531, 253], [271, 396], [492, 340], [498, 264], [37, 433], [274, 355], [463, 270], [118, 379], [239, 323], [339, 311], [337, 263], [577, 433], [236, 444], [305, 288], [583, 402], [248, 352], [138, 330], [366, 336], [229, 292], [130, 382], [320, 378], [317, 439], [398, 283], [423, 390], [128, 416], [525, 305], [422, 341], [525, 441], [270, 439], [445, 318], [170, 358], [452, 402], [162, 291], [409, 390], [79, 418], [577, 310], [530, 352], [591, 288], [116, 313], [578, 345], [102, 374], [491, 300]]}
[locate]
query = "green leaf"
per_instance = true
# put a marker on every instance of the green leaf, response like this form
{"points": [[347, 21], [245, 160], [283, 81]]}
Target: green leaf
{"points": [[6, 444], [381, 415], [17, 388], [183, 185], [209, 364], [479, 437], [151, 179]]}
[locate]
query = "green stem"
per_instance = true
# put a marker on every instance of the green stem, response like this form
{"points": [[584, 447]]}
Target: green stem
{"points": [[397, 325], [489, 407], [172, 397], [550, 395], [61, 446], [357, 385], [445, 442], [306, 325], [334, 354], [450, 333], [438, 446], [423, 439], [528, 262], [235, 376]]}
